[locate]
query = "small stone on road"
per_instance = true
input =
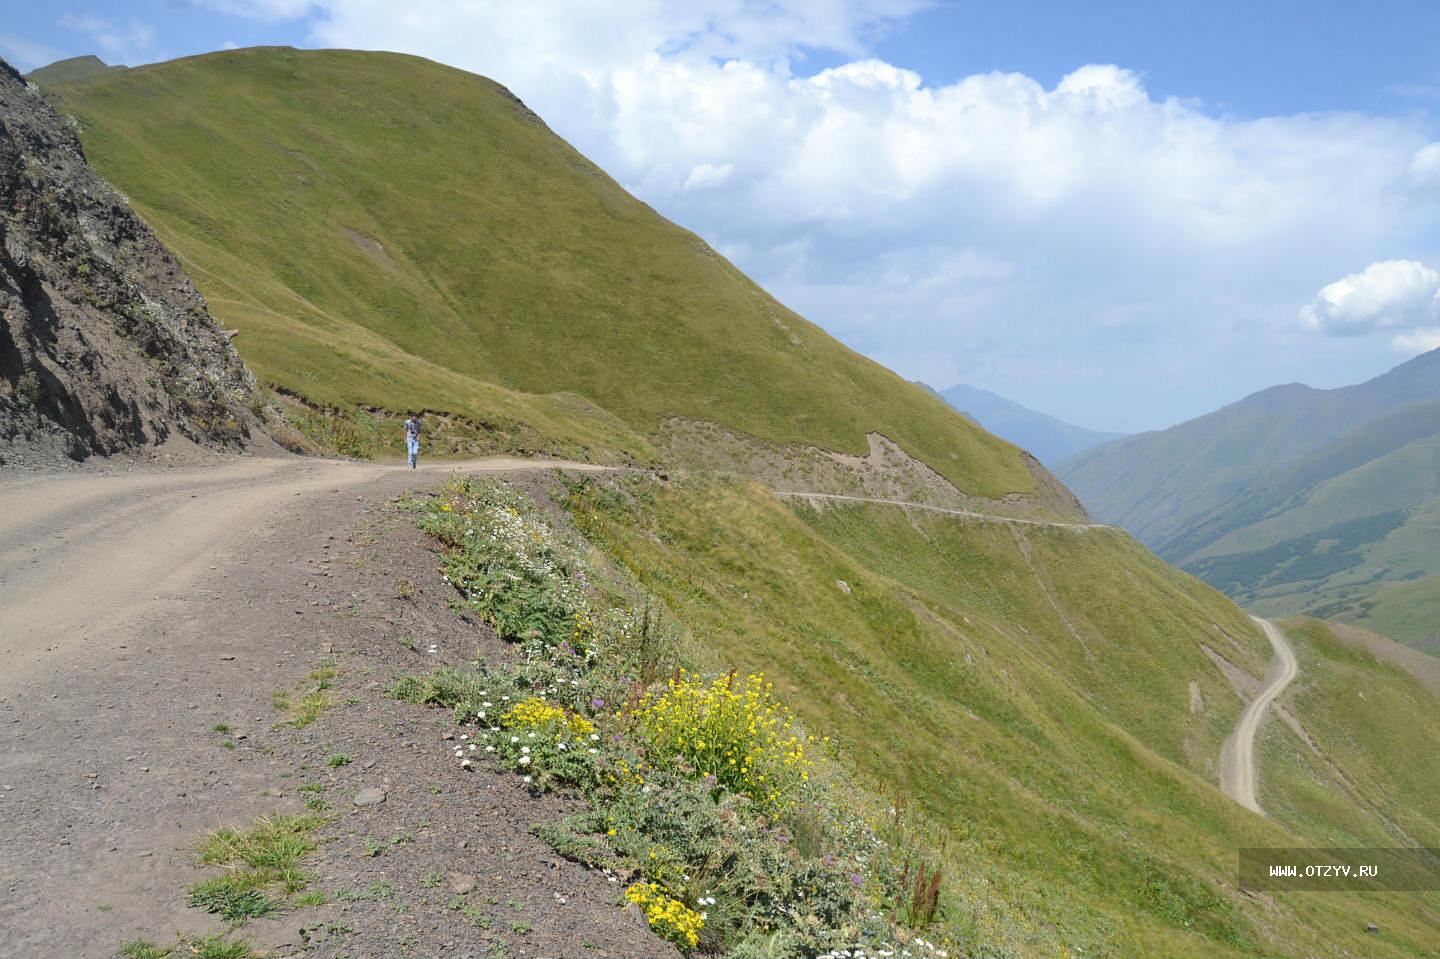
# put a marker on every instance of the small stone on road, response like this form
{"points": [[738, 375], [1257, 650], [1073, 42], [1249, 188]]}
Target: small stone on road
{"points": [[370, 796]]}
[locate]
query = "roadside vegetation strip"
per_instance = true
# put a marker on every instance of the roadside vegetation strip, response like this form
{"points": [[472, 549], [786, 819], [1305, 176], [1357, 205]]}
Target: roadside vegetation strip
{"points": [[741, 838]]}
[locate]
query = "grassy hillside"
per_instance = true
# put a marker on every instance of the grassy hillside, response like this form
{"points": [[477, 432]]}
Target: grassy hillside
{"points": [[389, 233], [1271, 501], [1336, 547], [1049, 698], [1408, 610], [1354, 772], [385, 231]]}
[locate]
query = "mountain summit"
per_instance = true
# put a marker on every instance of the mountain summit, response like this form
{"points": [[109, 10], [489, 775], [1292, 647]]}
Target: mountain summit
{"points": [[391, 233], [1048, 438]]}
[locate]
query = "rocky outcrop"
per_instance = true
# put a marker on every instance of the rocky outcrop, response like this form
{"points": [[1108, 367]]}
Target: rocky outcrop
{"points": [[105, 345]]}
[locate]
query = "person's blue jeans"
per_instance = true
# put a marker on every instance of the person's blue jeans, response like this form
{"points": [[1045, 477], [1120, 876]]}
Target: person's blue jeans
{"points": [[414, 444]]}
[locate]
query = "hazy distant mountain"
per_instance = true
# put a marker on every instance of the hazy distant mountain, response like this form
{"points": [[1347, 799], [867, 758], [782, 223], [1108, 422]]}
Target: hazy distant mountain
{"points": [[1047, 438], [1326, 501]]}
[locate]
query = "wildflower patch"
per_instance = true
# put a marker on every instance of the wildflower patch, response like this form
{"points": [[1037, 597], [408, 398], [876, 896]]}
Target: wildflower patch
{"points": [[535, 714], [671, 918], [731, 730], [705, 791]]}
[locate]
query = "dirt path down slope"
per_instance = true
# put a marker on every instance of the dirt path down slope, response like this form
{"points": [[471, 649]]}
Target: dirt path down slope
{"points": [[1238, 775], [141, 611]]}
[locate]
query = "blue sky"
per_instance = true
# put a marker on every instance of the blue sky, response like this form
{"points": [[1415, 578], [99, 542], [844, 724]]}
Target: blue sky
{"points": [[1124, 214], [1252, 58]]}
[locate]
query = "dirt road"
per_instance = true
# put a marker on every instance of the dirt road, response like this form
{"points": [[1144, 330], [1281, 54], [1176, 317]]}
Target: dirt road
{"points": [[82, 552], [1238, 776], [146, 620], [968, 514]]}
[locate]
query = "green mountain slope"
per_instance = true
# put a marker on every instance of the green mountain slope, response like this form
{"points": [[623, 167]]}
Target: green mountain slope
{"points": [[1053, 699], [1353, 776], [1161, 484], [388, 232], [1294, 500]]}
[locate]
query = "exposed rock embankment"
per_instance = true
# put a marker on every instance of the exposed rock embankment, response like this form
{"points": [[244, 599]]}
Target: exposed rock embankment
{"points": [[105, 345]]}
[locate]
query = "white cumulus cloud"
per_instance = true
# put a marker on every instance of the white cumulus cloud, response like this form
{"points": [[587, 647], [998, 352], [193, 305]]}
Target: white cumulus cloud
{"points": [[1386, 295], [1425, 165], [1416, 342], [708, 175]]}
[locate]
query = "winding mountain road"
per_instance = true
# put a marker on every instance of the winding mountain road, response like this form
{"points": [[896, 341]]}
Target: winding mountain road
{"points": [[1238, 776], [967, 513], [81, 551]]}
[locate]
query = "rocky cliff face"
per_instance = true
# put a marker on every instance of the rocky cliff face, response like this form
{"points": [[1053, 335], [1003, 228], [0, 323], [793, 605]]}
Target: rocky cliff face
{"points": [[105, 346]]}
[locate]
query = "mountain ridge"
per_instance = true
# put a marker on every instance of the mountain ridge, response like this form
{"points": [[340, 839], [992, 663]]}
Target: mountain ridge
{"points": [[71, 70], [1243, 495], [1049, 438]]}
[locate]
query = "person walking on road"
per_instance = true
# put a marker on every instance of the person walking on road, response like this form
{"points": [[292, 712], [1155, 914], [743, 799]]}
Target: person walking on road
{"points": [[412, 439]]}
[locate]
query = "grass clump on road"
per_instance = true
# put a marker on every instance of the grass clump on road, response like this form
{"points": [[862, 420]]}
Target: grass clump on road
{"points": [[218, 947], [210, 947], [303, 710], [309, 702], [262, 866], [142, 949], [231, 898]]}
